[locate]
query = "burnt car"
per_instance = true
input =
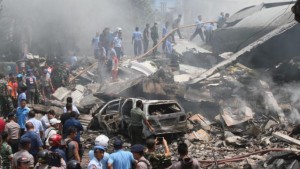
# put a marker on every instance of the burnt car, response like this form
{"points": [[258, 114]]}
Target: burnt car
{"points": [[166, 116]]}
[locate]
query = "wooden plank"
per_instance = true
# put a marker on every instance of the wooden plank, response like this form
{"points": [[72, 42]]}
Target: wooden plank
{"points": [[286, 138]]}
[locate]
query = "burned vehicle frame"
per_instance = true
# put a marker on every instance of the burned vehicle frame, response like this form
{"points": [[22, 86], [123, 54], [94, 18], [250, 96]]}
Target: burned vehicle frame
{"points": [[166, 116]]}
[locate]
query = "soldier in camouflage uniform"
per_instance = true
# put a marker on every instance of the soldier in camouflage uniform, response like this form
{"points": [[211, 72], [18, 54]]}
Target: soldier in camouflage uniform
{"points": [[158, 159], [57, 77], [6, 104]]}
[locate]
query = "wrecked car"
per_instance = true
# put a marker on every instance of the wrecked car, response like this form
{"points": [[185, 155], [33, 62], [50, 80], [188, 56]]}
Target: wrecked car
{"points": [[166, 116]]}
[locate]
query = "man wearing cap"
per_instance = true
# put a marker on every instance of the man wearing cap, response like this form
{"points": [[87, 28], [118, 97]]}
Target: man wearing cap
{"points": [[101, 140], [38, 127], [36, 142], [95, 163], [120, 159], [138, 154], [25, 145], [13, 130], [23, 163], [55, 125], [22, 114]]}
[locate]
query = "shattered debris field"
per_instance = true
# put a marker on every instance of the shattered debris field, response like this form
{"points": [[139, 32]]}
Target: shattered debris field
{"points": [[234, 102]]}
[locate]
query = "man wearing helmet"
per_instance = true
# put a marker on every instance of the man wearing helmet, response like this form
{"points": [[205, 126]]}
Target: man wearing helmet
{"points": [[101, 140], [95, 163], [47, 159], [55, 141]]}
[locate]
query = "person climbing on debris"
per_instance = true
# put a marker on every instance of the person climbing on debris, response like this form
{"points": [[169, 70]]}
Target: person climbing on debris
{"points": [[198, 30], [176, 24], [136, 123]]}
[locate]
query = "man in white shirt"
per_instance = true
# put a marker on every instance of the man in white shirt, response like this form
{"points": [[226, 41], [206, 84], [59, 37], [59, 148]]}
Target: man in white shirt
{"points": [[55, 126], [74, 108], [46, 119], [198, 30]]}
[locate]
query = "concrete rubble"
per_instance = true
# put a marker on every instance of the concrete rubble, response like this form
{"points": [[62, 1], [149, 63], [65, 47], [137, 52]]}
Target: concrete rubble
{"points": [[235, 116]]}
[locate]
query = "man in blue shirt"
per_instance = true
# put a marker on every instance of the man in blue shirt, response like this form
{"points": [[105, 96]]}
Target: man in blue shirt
{"points": [[22, 113], [101, 140], [36, 142], [137, 38], [75, 123], [198, 30], [120, 159], [95, 44], [22, 94]]}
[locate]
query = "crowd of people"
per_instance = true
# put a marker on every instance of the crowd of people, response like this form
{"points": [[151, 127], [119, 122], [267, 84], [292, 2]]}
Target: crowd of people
{"points": [[33, 83], [54, 142]]}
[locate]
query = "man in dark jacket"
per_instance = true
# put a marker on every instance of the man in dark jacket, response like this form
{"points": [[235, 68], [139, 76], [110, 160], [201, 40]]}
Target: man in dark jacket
{"points": [[154, 36]]}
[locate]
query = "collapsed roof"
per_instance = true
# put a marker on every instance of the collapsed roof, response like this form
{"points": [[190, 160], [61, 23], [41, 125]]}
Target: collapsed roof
{"points": [[249, 24]]}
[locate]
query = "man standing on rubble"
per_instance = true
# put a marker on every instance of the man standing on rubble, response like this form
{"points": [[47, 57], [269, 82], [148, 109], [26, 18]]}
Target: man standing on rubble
{"points": [[154, 36], [74, 108], [137, 39], [146, 38], [175, 25], [95, 44], [208, 30], [117, 42], [164, 34], [136, 123], [198, 30]]}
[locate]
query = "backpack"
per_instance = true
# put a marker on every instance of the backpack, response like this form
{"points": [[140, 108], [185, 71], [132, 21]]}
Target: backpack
{"points": [[144, 161]]}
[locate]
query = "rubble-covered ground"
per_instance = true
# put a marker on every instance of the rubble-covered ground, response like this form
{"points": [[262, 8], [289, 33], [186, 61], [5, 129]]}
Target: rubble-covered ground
{"points": [[241, 114]]}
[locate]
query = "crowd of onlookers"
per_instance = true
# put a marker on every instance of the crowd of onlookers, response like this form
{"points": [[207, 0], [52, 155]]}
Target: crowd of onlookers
{"points": [[54, 142], [28, 142]]}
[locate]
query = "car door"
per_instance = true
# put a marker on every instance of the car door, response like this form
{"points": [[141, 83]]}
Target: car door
{"points": [[111, 117]]}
